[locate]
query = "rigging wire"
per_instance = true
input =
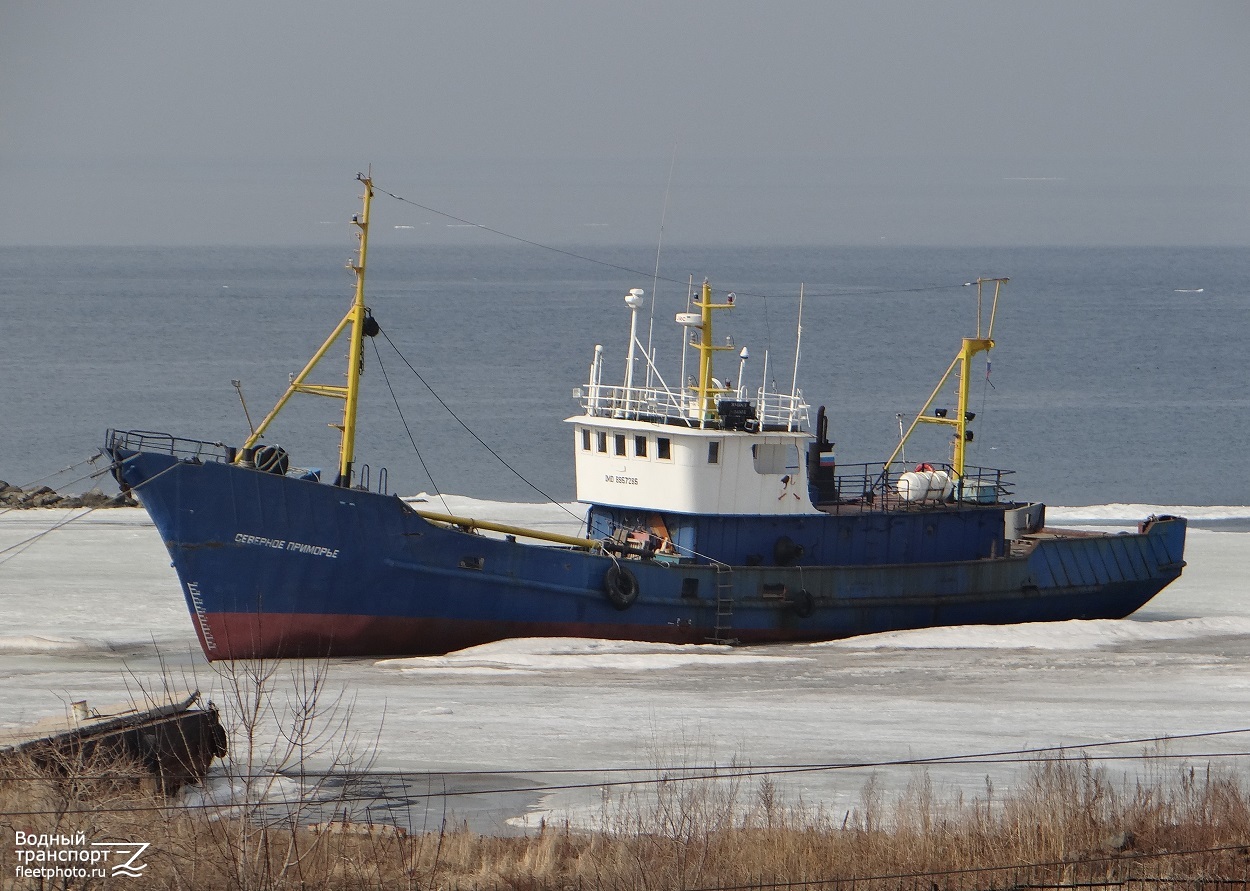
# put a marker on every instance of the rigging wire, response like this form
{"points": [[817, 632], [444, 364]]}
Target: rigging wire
{"points": [[986, 386], [378, 354], [469, 430], [655, 278], [78, 479], [499, 232], [20, 547], [72, 467], [13, 550], [640, 272]]}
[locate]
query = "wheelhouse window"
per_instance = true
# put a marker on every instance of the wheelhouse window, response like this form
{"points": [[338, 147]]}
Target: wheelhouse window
{"points": [[640, 446], [585, 440], [663, 448], [601, 441], [713, 452], [619, 442]]}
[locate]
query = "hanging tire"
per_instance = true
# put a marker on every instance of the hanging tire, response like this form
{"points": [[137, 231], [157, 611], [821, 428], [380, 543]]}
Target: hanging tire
{"points": [[621, 587], [804, 604]]}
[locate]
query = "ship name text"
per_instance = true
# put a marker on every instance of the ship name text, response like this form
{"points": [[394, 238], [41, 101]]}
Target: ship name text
{"points": [[282, 544]]}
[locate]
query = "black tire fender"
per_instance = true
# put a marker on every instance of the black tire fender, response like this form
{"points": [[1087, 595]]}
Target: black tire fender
{"points": [[621, 586], [804, 603], [272, 459]]}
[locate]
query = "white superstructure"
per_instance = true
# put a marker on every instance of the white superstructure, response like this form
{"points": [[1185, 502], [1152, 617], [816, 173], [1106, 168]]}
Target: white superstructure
{"points": [[704, 449]]}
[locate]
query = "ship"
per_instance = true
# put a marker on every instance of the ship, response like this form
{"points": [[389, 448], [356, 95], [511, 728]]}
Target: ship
{"points": [[714, 514]]}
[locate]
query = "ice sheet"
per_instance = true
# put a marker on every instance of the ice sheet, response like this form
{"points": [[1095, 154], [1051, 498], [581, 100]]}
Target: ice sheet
{"points": [[93, 610]]}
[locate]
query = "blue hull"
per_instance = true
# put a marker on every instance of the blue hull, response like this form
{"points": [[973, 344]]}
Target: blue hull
{"points": [[274, 566]]}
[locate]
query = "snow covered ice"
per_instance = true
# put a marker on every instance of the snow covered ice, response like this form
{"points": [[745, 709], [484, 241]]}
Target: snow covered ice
{"points": [[93, 610]]}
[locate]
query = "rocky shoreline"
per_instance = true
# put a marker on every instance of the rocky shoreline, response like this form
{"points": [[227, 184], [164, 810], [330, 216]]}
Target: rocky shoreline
{"points": [[41, 496]]}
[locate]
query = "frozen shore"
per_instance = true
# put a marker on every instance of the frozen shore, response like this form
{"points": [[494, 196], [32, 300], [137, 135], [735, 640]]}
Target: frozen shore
{"points": [[93, 610]]}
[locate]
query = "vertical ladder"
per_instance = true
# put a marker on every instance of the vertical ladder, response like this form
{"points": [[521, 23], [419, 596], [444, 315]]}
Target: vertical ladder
{"points": [[724, 605]]}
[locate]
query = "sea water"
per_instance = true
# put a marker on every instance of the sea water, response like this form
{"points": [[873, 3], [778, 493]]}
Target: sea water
{"points": [[1116, 390], [1113, 380]]}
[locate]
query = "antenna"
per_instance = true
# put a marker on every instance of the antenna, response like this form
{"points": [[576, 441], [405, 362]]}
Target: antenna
{"points": [[238, 386], [655, 279], [798, 342]]}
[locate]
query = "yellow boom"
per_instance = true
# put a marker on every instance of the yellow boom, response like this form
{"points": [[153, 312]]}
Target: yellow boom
{"points": [[971, 346], [355, 318]]}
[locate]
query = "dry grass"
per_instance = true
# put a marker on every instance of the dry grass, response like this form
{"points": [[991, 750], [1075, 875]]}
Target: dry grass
{"points": [[1069, 824]]}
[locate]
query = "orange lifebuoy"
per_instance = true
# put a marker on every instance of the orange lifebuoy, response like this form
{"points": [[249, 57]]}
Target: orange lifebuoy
{"points": [[921, 468]]}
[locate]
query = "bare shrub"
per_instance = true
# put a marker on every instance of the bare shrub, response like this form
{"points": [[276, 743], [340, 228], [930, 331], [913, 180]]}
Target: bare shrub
{"points": [[1068, 823]]}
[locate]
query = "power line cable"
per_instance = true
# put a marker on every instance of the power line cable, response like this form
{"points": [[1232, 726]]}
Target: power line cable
{"points": [[672, 773], [725, 772]]}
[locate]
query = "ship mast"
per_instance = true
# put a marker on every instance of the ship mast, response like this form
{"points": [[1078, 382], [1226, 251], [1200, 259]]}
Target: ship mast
{"points": [[970, 347], [361, 325], [356, 356], [707, 388]]}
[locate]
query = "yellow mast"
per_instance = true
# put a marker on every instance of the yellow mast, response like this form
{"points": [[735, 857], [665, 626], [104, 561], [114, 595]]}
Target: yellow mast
{"points": [[707, 390], [970, 347], [356, 356], [355, 361]]}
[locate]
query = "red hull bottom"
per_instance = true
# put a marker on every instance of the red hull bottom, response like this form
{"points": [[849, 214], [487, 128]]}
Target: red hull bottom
{"points": [[314, 636]]}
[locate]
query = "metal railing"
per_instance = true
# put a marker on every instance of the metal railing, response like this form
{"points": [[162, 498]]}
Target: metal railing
{"points": [[164, 443], [782, 410], [774, 411], [875, 486], [220, 453]]}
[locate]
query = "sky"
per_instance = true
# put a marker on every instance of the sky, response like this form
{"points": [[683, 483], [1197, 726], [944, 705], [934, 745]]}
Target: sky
{"points": [[735, 122]]}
